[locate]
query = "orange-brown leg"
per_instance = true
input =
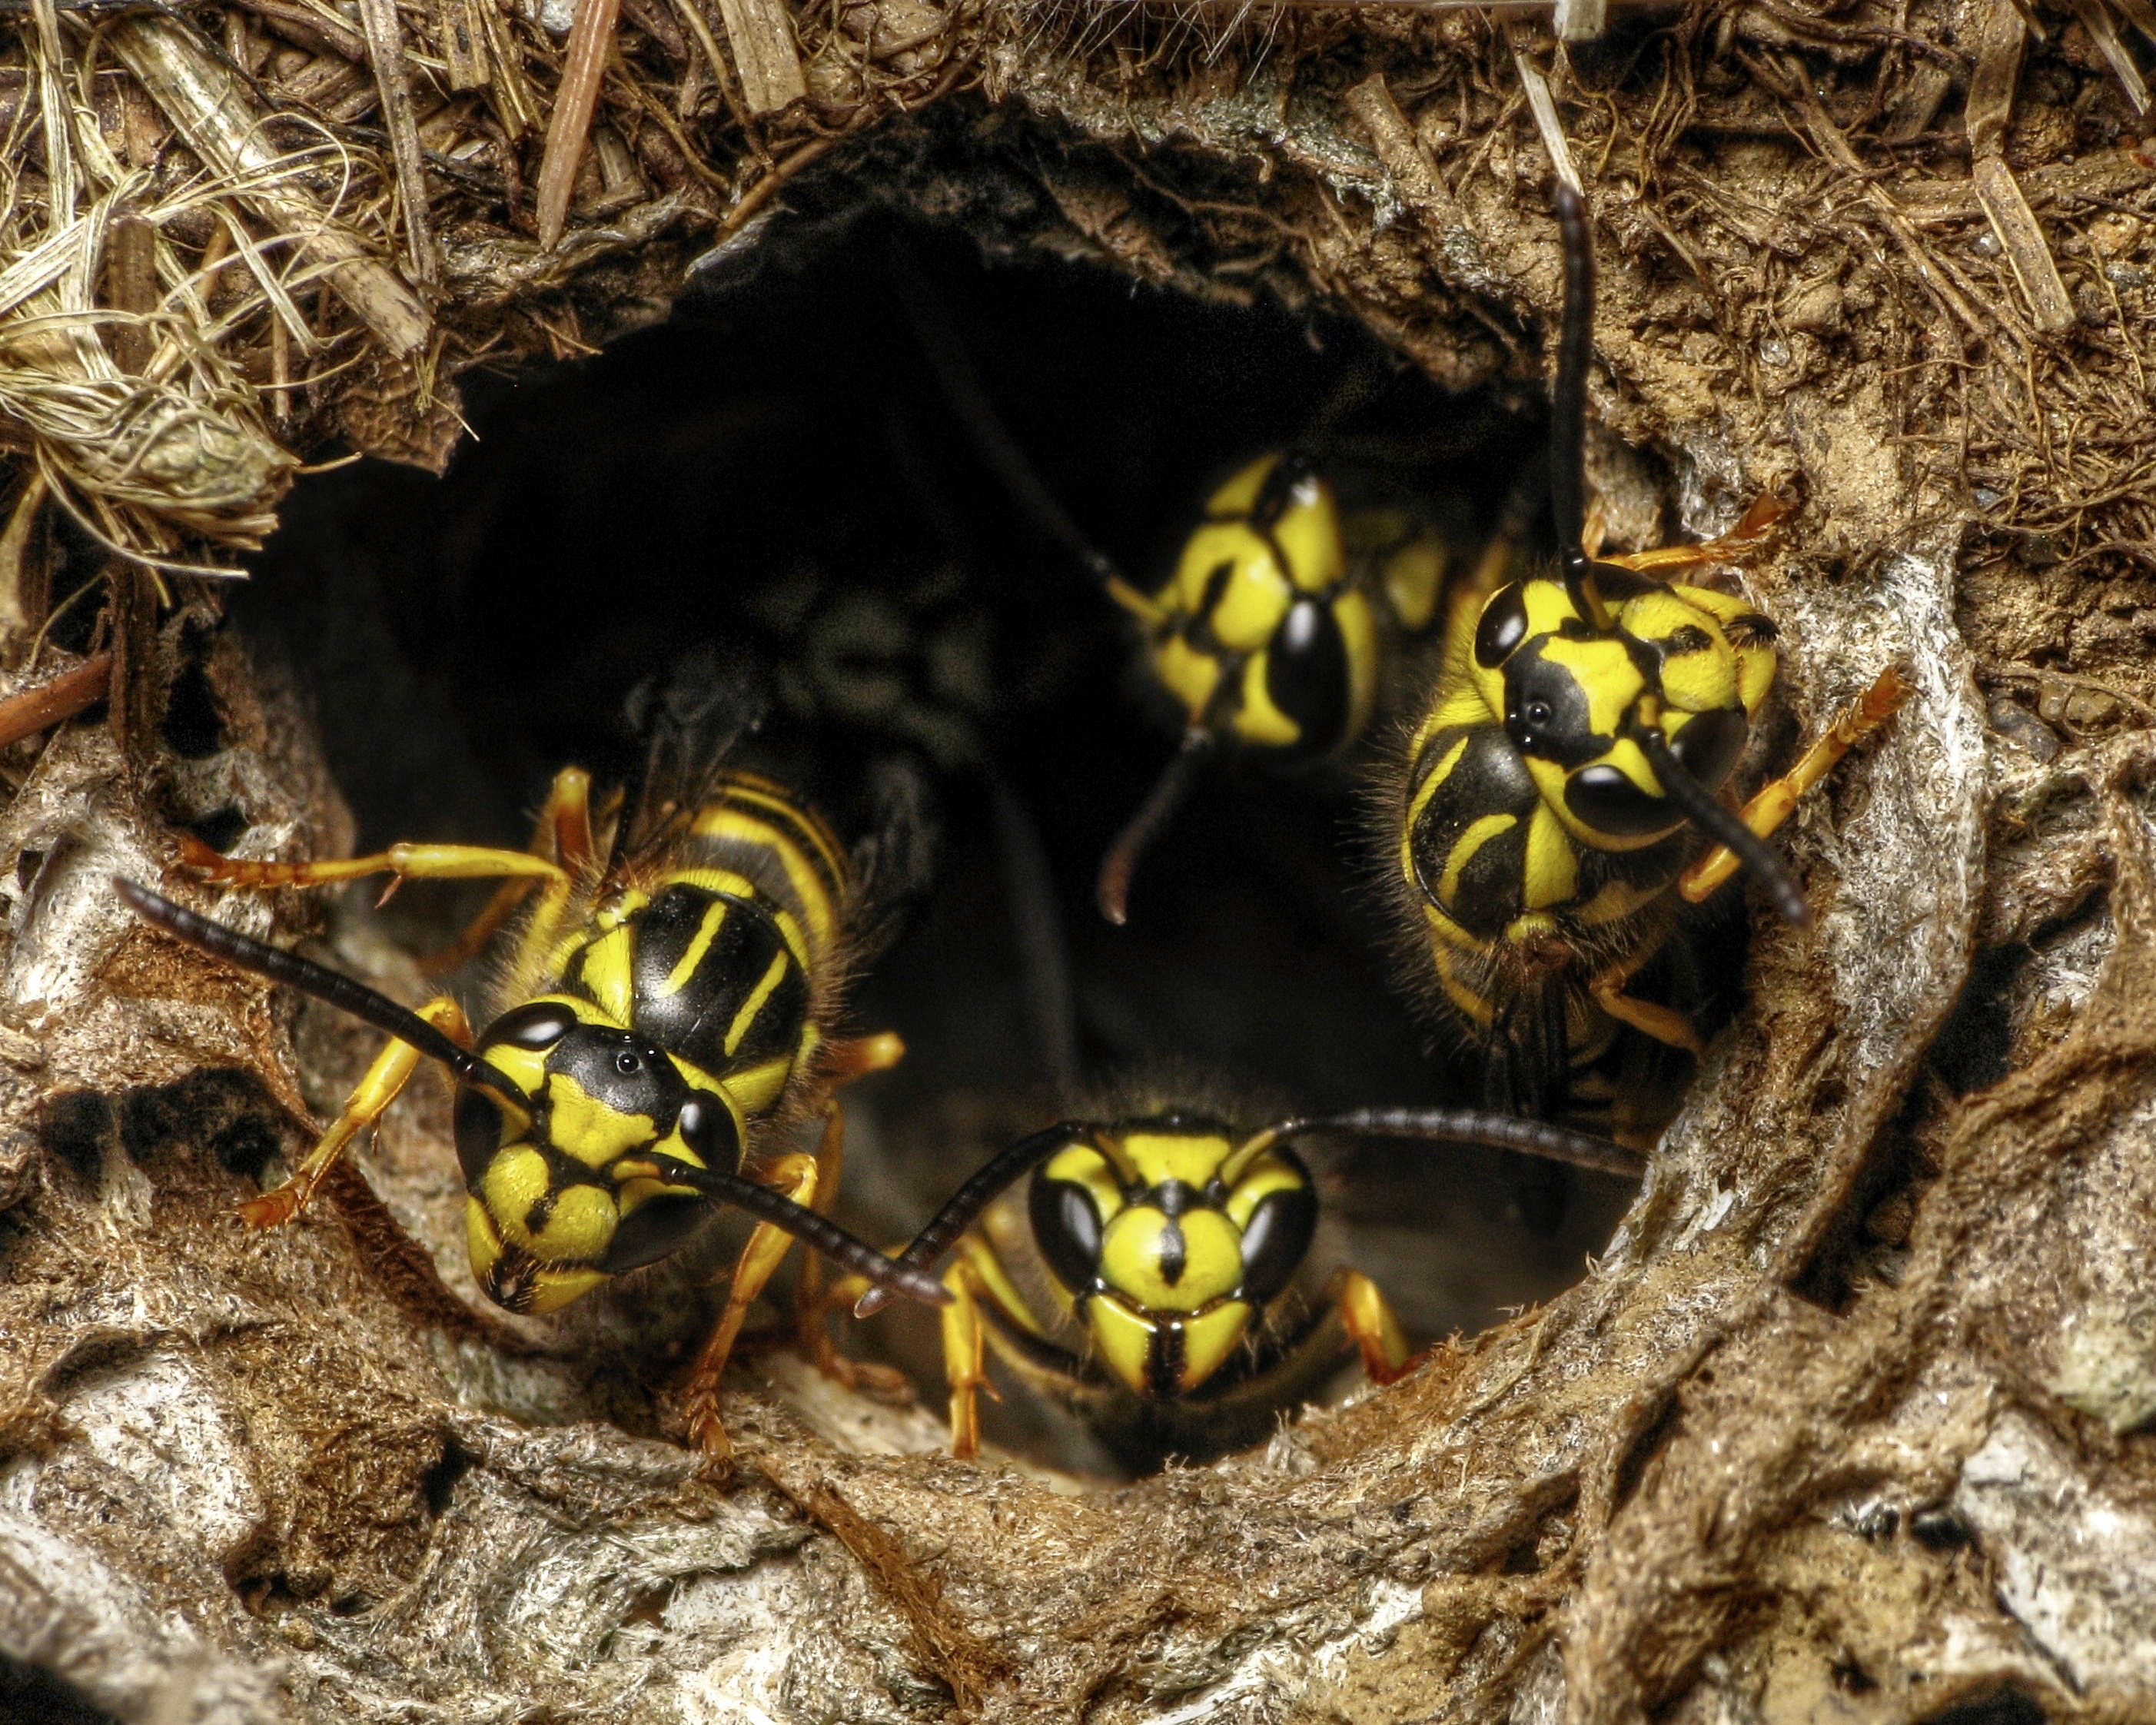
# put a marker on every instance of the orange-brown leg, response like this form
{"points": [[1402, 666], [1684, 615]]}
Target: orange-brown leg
{"points": [[795, 1175], [812, 1306], [563, 834], [1734, 546], [1777, 799], [391, 1070], [1371, 1324], [1665, 1023]]}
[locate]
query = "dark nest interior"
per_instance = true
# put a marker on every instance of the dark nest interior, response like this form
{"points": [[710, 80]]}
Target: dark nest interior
{"points": [[775, 471]]}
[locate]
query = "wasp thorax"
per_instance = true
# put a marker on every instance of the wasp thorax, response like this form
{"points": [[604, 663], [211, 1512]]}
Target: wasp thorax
{"points": [[564, 1197]]}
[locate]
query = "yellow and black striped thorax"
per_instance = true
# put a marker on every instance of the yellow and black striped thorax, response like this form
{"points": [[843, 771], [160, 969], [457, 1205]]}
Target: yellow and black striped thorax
{"points": [[1169, 1235], [1529, 796], [1271, 627], [719, 955], [680, 1013]]}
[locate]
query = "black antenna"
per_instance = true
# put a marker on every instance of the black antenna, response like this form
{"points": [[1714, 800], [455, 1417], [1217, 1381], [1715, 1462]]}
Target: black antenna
{"points": [[1724, 826], [1575, 350], [1122, 861], [1001, 1172], [992, 439], [1476, 1126], [323, 984], [891, 1275]]}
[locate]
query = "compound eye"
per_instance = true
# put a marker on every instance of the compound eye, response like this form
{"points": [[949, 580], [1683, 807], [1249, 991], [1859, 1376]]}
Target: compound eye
{"points": [[540, 1024], [1067, 1230], [478, 1133], [710, 1131], [1276, 1240], [1604, 800], [1503, 627], [1709, 744], [1308, 677]]}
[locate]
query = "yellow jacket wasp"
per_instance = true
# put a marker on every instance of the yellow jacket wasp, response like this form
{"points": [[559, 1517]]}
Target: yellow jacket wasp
{"points": [[1275, 630], [1174, 1244], [1545, 816], [665, 1009]]}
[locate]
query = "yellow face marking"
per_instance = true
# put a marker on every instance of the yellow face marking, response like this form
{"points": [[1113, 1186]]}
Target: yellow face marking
{"points": [[553, 1289], [1082, 1165], [1238, 494], [1123, 1337], [1257, 720], [584, 1127], [515, 1180], [1413, 578], [1480, 832], [1552, 864], [1605, 671], [1358, 637], [1256, 596], [1755, 666], [1548, 606], [1190, 675], [1192, 1157], [781, 963], [1133, 1245], [577, 1227], [524, 1067], [1308, 535], [1209, 1338], [482, 1242], [1266, 1176]]}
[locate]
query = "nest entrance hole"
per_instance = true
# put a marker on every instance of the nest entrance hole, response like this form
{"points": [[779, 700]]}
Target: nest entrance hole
{"points": [[776, 471]]}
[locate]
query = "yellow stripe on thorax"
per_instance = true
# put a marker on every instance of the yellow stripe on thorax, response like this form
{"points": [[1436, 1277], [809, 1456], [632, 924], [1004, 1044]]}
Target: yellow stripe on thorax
{"points": [[811, 885], [699, 945], [773, 976], [1480, 832], [726, 881]]}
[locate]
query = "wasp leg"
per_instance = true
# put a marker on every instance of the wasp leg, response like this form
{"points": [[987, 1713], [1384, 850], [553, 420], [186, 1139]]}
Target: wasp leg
{"points": [[376, 1090], [840, 1062], [1665, 1023], [812, 1306], [1777, 799], [1734, 546], [1372, 1325], [796, 1176], [976, 1277], [562, 833], [847, 1058]]}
